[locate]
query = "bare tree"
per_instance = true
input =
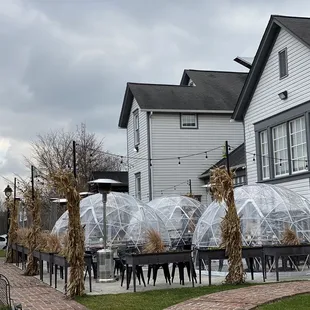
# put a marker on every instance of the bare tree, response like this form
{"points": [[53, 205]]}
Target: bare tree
{"points": [[54, 150]]}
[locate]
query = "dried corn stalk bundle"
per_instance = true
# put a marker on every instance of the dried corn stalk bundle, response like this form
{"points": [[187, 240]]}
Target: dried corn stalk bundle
{"points": [[33, 204], [22, 235], [12, 234], [65, 183], [154, 242], [290, 237], [222, 189]]}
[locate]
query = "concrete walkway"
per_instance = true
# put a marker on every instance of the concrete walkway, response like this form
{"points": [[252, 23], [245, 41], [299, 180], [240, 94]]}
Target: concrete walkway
{"points": [[244, 298], [34, 294]]}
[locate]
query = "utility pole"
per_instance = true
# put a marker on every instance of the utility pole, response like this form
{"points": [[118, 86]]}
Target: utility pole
{"points": [[227, 156], [74, 158], [32, 182]]}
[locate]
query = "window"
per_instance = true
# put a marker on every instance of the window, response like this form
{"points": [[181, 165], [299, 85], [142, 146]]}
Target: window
{"points": [[279, 139], [264, 154], [189, 121], [138, 185], [283, 67], [136, 127], [298, 144]]}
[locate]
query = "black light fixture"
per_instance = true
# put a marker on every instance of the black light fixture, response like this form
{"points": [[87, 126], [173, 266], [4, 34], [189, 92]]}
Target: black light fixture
{"points": [[136, 148], [8, 192], [283, 95]]}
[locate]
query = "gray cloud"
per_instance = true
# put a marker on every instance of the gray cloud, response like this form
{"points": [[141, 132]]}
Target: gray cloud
{"points": [[67, 61]]}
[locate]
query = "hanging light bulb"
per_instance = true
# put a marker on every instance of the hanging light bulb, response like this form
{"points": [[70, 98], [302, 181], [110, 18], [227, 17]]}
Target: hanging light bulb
{"points": [[151, 163], [306, 164], [253, 157], [179, 160], [206, 155], [280, 162], [121, 160]]}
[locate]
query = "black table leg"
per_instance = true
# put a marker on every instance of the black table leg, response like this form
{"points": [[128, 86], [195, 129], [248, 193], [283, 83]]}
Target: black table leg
{"points": [[251, 261], [277, 266], [200, 263], [209, 270]]}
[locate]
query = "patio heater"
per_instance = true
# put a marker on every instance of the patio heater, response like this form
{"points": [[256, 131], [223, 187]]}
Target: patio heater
{"points": [[105, 256]]}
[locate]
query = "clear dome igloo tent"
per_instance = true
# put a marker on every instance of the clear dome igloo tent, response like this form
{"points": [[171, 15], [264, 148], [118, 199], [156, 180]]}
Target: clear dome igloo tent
{"points": [[265, 211], [128, 219], [180, 215]]}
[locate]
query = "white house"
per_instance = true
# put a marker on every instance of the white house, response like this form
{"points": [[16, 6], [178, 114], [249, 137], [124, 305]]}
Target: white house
{"points": [[275, 104], [167, 124]]}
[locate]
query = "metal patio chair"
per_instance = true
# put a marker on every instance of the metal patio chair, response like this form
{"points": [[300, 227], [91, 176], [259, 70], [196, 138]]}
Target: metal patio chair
{"points": [[5, 295]]}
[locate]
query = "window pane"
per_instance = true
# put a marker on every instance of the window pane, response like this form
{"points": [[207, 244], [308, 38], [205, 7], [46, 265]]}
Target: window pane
{"points": [[283, 63], [264, 154], [298, 147], [189, 120], [280, 150]]}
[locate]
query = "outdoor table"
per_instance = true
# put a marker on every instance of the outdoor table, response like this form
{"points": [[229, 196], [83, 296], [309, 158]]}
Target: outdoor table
{"points": [[158, 258], [210, 254], [285, 250]]}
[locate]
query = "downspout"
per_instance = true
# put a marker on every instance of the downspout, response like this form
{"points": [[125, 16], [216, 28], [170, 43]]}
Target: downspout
{"points": [[149, 147]]}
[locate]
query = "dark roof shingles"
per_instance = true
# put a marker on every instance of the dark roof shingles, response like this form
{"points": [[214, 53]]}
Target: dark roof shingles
{"points": [[214, 90]]}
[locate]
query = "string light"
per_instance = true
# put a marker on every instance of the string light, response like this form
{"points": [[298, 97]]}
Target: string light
{"points": [[179, 160], [254, 157], [121, 160], [280, 162], [206, 155]]}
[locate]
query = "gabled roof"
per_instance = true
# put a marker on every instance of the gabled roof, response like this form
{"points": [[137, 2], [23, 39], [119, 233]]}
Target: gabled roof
{"points": [[215, 92], [236, 160], [299, 27]]}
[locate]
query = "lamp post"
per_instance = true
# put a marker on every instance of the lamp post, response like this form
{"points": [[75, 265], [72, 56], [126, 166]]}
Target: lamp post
{"points": [[8, 193], [105, 256]]}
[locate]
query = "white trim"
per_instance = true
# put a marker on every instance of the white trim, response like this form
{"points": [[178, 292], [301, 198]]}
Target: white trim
{"points": [[188, 111]]}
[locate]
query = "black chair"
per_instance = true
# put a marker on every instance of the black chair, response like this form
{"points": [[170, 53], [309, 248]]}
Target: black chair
{"points": [[5, 294]]}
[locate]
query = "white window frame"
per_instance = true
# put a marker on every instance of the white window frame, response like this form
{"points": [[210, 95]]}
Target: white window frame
{"points": [[138, 185], [136, 127], [280, 150], [265, 170], [285, 64], [187, 120], [298, 140]]}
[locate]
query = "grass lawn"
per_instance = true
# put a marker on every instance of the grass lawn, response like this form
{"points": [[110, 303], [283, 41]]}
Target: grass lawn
{"points": [[300, 302], [154, 300], [2, 254]]}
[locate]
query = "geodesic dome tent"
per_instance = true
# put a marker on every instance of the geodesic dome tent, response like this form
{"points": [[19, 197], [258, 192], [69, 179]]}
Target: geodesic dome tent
{"points": [[264, 210], [128, 220], [180, 215]]}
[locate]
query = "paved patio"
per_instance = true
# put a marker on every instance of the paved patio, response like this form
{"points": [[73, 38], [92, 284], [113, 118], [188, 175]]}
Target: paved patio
{"points": [[244, 298], [34, 294]]}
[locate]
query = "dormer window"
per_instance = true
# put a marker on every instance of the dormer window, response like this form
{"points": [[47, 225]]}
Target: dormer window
{"points": [[191, 83], [283, 66]]}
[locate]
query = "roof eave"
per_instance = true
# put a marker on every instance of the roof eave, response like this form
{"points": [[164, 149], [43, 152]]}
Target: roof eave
{"points": [[258, 65], [125, 111], [185, 78], [188, 111]]}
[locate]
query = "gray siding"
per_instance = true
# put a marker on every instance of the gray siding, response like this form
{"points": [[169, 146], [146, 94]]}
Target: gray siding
{"points": [[138, 165], [266, 103], [168, 140]]}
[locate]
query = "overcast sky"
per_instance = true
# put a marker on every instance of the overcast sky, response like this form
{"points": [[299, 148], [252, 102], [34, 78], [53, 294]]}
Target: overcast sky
{"points": [[63, 62]]}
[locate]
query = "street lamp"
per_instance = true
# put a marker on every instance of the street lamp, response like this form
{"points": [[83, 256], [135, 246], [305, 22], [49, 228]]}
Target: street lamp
{"points": [[8, 192], [104, 256]]}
